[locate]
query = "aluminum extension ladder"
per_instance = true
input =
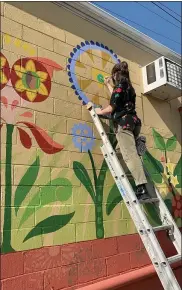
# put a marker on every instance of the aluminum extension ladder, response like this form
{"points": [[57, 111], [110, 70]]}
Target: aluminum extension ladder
{"points": [[145, 230]]}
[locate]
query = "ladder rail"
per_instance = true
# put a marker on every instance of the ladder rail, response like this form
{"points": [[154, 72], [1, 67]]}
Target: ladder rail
{"points": [[144, 228], [167, 218], [146, 233]]}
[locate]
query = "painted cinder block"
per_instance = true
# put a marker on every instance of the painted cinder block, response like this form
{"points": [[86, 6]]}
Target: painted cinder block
{"points": [[37, 38], [80, 262], [12, 265], [105, 248], [2, 8], [76, 253], [139, 259], [61, 277], [73, 39], [11, 27], [18, 46], [44, 175], [67, 109], [51, 30], [44, 52], [130, 243], [118, 264], [91, 270], [62, 48], [51, 122], [42, 259], [20, 16], [30, 281]]}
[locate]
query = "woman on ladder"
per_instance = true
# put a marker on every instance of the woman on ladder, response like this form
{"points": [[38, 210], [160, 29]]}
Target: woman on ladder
{"points": [[128, 125]]}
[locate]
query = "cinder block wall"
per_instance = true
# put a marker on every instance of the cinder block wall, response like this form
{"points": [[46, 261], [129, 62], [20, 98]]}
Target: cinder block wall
{"points": [[49, 199]]}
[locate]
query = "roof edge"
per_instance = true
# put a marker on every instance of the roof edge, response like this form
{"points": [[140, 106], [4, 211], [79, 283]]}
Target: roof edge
{"points": [[108, 22]]}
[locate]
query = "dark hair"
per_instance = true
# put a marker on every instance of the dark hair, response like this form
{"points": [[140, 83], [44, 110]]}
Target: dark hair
{"points": [[122, 74]]}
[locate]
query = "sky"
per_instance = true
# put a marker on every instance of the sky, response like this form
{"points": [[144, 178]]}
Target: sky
{"points": [[133, 11]]}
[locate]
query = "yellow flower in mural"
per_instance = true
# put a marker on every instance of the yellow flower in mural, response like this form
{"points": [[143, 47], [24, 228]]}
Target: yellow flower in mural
{"points": [[5, 71], [88, 65], [168, 176], [34, 79], [3, 77], [95, 84]]}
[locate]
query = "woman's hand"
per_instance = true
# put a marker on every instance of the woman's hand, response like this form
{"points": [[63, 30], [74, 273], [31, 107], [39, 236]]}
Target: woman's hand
{"points": [[108, 110], [98, 111], [107, 81]]}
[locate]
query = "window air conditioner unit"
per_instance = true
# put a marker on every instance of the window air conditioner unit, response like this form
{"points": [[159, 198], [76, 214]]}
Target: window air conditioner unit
{"points": [[162, 79]]}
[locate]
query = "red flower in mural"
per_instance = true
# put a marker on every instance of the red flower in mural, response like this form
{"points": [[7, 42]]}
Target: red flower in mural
{"points": [[44, 141], [177, 206], [5, 71], [31, 80]]}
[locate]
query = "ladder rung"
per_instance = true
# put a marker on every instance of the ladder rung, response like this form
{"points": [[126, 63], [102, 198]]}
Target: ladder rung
{"points": [[174, 259], [161, 228], [150, 200]]}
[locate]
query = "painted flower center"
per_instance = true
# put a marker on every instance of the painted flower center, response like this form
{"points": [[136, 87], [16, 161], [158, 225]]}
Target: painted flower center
{"points": [[100, 78], [31, 80]]}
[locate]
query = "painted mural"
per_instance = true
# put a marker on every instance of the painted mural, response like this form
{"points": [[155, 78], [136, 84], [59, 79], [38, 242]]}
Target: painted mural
{"points": [[29, 80], [90, 51], [50, 200]]}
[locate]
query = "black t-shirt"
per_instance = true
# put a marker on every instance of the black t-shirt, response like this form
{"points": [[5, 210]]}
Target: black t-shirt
{"points": [[123, 100]]}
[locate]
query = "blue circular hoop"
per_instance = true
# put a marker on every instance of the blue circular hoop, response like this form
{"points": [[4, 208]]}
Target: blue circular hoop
{"points": [[77, 51]]}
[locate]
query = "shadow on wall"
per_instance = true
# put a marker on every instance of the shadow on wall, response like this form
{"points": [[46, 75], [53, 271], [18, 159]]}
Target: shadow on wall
{"points": [[164, 115]]}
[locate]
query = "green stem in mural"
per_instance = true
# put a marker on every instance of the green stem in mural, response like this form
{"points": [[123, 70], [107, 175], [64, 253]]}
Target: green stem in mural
{"points": [[98, 202], [169, 179], [6, 244]]}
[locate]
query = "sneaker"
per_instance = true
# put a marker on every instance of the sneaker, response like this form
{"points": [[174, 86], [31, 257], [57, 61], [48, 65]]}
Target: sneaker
{"points": [[141, 192]]}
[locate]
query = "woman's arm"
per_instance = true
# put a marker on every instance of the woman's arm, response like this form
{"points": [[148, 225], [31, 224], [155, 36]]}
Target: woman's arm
{"points": [[108, 110], [107, 83], [110, 88]]}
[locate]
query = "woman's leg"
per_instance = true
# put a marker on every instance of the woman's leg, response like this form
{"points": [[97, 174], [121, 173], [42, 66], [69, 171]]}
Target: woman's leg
{"points": [[127, 145]]}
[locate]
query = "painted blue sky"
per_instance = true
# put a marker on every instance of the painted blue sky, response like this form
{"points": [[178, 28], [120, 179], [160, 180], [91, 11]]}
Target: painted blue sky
{"points": [[135, 12]]}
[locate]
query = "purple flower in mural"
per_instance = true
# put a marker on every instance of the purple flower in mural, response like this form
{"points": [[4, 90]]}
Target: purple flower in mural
{"points": [[83, 137]]}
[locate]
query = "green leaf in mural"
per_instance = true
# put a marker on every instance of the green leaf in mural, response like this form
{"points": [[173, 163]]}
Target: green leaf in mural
{"points": [[60, 189], [93, 167], [82, 174], [153, 167], [49, 225], [159, 140], [114, 197], [168, 203], [26, 184], [178, 173], [102, 174], [171, 143], [152, 214]]}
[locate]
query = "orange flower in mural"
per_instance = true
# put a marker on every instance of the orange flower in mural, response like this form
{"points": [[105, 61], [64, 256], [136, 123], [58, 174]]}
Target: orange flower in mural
{"points": [[31, 80], [5, 71]]}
